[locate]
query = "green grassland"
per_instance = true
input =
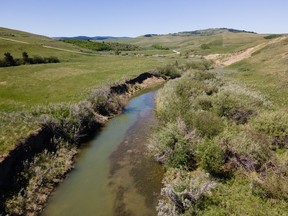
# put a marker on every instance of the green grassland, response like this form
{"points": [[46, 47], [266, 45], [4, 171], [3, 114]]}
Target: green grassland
{"points": [[266, 71], [218, 43], [25, 86]]}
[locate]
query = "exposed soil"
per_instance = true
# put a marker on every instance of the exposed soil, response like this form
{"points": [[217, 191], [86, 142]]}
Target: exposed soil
{"points": [[231, 58]]}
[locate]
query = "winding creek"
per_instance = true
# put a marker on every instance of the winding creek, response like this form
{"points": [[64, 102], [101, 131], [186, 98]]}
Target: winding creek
{"points": [[113, 174]]}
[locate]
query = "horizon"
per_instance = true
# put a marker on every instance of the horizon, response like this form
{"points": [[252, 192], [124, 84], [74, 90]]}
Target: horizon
{"points": [[132, 19]]}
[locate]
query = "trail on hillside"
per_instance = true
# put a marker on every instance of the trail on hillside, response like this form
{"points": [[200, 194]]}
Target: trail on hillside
{"points": [[66, 50], [14, 40], [48, 47], [231, 58]]}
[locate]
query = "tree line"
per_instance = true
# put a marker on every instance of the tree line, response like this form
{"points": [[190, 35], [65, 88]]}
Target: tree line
{"points": [[9, 60]]}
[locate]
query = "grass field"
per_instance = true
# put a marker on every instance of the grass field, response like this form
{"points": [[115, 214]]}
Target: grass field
{"points": [[217, 43], [25, 86], [266, 71], [22, 88]]}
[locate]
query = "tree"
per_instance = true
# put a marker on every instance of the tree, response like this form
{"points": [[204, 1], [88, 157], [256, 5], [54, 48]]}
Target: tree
{"points": [[26, 58], [9, 59]]}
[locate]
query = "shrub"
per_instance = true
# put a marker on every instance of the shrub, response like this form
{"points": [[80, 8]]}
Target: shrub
{"points": [[245, 148], [183, 192], [9, 60], [203, 102], [207, 123], [160, 47], [274, 124], [170, 71], [210, 156], [171, 146], [272, 185], [205, 46]]}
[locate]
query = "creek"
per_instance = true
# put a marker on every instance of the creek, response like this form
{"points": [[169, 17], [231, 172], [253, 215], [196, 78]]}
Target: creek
{"points": [[113, 174]]}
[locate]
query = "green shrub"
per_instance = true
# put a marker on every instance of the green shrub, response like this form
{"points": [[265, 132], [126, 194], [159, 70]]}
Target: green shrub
{"points": [[199, 65], [210, 156], [171, 146], [170, 71], [245, 147], [183, 192], [272, 185], [160, 47], [202, 102], [205, 46], [207, 123], [274, 124], [225, 102]]}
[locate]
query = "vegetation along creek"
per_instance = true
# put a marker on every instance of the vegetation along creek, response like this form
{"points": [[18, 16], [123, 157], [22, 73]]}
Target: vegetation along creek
{"points": [[112, 175]]}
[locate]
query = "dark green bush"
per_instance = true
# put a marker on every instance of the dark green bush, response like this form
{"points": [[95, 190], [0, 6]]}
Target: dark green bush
{"points": [[170, 71], [274, 124], [205, 46], [207, 123], [210, 156], [272, 185]]}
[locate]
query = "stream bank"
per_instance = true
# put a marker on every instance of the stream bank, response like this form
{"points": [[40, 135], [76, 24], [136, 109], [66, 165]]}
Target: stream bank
{"points": [[47, 138], [113, 175]]}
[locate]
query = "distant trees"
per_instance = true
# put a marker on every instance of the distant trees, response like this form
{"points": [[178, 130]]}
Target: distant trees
{"points": [[9, 60], [102, 46], [160, 47]]}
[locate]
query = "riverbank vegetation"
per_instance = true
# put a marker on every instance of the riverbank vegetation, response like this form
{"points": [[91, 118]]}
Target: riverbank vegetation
{"points": [[223, 145], [9, 60], [69, 125]]}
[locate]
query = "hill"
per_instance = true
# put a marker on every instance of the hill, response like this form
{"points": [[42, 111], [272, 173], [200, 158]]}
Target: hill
{"points": [[88, 38]]}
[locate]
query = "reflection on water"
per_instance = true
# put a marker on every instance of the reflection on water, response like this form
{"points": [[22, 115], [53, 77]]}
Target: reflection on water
{"points": [[113, 175]]}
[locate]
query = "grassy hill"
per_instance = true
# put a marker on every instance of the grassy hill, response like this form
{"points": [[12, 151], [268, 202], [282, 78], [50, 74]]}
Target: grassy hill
{"points": [[266, 71], [217, 41], [25, 86]]}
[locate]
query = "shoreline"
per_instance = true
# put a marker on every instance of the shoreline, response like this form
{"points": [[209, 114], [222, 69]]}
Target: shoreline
{"points": [[37, 142]]}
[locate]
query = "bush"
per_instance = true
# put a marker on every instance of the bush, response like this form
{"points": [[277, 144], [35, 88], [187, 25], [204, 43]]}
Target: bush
{"points": [[274, 124], [170, 71], [207, 123], [205, 46], [9, 60], [210, 156], [272, 185], [184, 191], [171, 146], [245, 148]]}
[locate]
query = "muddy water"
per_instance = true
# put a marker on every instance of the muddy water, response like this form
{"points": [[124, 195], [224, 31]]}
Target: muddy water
{"points": [[113, 174]]}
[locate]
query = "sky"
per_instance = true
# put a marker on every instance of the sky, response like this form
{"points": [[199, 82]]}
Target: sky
{"points": [[134, 17]]}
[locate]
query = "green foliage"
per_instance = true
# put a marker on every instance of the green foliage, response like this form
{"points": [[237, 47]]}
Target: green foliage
{"points": [[273, 36], [41, 175], [184, 192], [205, 46], [170, 71], [272, 185], [274, 124], [172, 147], [210, 156], [207, 123], [10, 61], [102, 46], [159, 47], [236, 198]]}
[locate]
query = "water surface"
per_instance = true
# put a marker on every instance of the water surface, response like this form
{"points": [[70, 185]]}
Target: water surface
{"points": [[113, 175]]}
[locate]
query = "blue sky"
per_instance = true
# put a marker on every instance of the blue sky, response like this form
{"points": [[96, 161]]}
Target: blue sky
{"points": [[135, 17]]}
